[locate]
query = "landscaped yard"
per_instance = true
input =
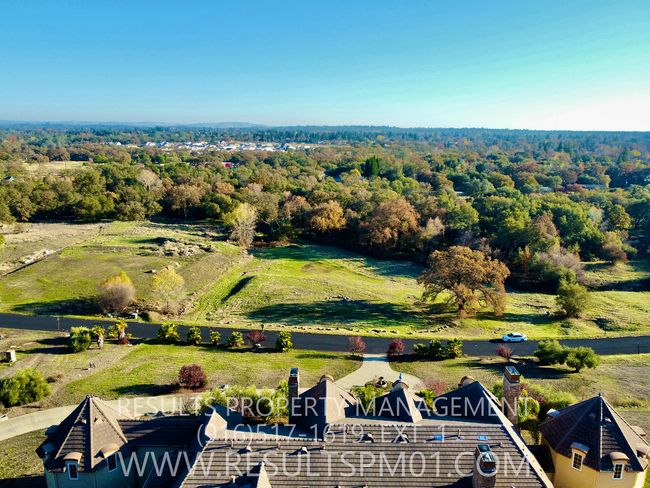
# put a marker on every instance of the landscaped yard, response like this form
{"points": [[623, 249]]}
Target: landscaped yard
{"points": [[302, 286], [622, 380], [152, 369]]}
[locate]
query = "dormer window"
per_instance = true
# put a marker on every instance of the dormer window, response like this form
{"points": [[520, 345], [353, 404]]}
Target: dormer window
{"points": [[73, 471], [579, 453], [618, 471], [619, 460], [112, 462], [71, 461], [577, 461]]}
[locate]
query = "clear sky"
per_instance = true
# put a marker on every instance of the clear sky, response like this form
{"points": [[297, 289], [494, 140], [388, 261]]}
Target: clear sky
{"points": [[568, 64]]}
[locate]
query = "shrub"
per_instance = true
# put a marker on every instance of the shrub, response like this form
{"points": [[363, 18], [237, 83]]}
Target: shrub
{"points": [[26, 386], [436, 386], [55, 377], [96, 332], [112, 332], [255, 337], [2, 239], [356, 345], [454, 348], [192, 376], [168, 333], [194, 335], [551, 352], [124, 341], [79, 339], [235, 340], [573, 299], [215, 337], [505, 352], [116, 293], [582, 357], [396, 347], [435, 350], [283, 342]]}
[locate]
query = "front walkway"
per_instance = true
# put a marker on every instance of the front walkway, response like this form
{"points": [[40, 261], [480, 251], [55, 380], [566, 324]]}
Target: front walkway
{"points": [[376, 365]]}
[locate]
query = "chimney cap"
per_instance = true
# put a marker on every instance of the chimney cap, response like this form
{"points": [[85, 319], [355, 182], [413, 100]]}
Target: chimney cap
{"points": [[293, 372], [485, 456], [512, 374]]}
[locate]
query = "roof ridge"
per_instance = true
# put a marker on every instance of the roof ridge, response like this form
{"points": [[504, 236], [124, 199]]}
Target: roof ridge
{"points": [[80, 409], [116, 428], [618, 416], [578, 420]]}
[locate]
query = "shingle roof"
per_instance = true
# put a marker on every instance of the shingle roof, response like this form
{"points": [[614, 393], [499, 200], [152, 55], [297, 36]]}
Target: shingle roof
{"points": [[92, 426], [161, 431], [597, 425], [401, 404], [471, 402], [320, 464]]}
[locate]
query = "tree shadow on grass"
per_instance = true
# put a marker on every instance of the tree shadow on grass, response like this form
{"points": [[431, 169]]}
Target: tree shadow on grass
{"points": [[148, 389], [340, 312], [310, 252], [52, 345], [76, 306]]}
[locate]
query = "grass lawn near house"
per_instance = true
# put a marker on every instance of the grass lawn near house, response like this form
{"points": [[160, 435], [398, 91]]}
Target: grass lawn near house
{"points": [[622, 380], [152, 369], [20, 466]]}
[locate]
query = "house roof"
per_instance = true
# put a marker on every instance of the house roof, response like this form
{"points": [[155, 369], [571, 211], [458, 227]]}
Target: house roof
{"points": [[92, 427], [596, 425], [161, 431], [472, 402], [401, 404], [306, 462]]}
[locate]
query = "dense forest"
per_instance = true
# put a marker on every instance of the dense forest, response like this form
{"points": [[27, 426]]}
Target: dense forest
{"points": [[539, 201]]}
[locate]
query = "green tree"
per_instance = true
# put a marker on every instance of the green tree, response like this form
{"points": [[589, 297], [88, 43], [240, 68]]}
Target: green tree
{"points": [[194, 335], [372, 167], [79, 339], [168, 333], [215, 337], [283, 342], [97, 334], [26, 386], [121, 326], [582, 357], [572, 298], [551, 352], [236, 339], [168, 285]]}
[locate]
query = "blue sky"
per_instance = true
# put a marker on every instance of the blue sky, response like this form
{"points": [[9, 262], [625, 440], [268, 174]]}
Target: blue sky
{"points": [[539, 65]]}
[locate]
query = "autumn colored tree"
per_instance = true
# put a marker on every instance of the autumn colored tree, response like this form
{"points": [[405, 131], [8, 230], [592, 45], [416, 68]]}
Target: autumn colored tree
{"points": [[505, 352], [255, 337], [391, 226], [192, 376], [356, 345], [471, 279], [245, 219], [116, 293], [185, 197], [395, 347], [168, 285], [327, 217]]}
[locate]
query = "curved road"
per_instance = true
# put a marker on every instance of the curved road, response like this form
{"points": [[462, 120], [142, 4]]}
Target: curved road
{"points": [[329, 342]]}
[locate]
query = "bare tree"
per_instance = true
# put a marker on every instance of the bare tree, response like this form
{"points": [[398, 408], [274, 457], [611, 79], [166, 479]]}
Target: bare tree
{"points": [[116, 293], [149, 180]]}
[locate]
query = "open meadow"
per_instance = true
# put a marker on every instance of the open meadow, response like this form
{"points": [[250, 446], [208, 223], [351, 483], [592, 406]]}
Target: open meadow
{"points": [[302, 286]]}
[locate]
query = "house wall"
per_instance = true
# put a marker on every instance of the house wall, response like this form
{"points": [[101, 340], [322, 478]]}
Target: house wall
{"points": [[567, 477], [98, 479], [141, 452]]}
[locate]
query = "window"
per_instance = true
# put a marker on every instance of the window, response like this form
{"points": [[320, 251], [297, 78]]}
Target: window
{"points": [[112, 462], [618, 471], [73, 472], [577, 461]]}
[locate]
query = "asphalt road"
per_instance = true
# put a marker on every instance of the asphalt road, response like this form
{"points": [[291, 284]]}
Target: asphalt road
{"points": [[328, 342]]}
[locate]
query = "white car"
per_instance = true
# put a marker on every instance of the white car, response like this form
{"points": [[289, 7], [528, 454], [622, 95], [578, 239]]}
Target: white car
{"points": [[515, 337]]}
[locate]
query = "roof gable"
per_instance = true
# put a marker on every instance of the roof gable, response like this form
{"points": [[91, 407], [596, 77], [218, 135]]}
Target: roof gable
{"points": [[598, 426]]}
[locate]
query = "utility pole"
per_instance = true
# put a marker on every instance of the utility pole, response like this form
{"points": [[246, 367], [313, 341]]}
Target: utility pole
{"points": [[58, 329]]}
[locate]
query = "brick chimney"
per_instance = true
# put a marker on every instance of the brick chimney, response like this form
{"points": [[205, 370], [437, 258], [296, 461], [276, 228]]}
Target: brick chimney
{"points": [[485, 468], [511, 392]]}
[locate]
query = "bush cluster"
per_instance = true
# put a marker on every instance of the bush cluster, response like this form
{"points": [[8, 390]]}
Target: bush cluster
{"points": [[26, 386], [435, 350], [552, 352]]}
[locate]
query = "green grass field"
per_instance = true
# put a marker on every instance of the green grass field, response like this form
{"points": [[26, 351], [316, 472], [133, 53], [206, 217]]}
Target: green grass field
{"points": [[19, 463], [302, 286]]}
